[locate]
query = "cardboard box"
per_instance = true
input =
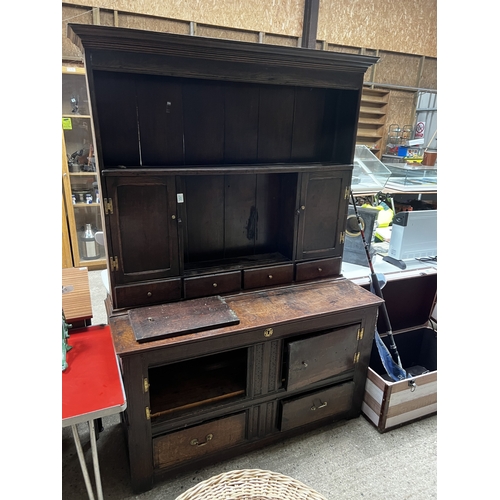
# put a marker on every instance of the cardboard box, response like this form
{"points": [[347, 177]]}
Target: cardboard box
{"points": [[410, 300]]}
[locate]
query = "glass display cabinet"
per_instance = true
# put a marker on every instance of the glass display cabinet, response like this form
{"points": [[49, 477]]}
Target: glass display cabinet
{"points": [[411, 177], [369, 174], [80, 184]]}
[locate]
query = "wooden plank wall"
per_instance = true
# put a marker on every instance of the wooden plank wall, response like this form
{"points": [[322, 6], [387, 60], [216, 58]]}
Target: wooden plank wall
{"points": [[402, 34]]}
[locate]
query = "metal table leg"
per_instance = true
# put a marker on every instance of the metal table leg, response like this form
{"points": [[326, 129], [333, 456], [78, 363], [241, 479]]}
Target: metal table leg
{"points": [[83, 465], [95, 460]]}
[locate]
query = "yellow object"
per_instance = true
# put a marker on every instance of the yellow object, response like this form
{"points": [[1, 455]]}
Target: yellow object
{"points": [[385, 218], [367, 205]]}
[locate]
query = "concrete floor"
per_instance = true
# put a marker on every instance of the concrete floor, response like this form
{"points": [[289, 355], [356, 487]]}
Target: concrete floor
{"points": [[346, 460]]}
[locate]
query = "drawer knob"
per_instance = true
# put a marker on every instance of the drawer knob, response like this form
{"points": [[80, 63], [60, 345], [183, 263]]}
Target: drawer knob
{"points": [[320, 269], [214, 285], [149, 294], [304, 364], [195, 442], [321, 405], [270, 276]]}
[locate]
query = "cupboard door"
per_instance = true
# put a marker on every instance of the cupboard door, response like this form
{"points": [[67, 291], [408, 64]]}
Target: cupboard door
{"points": [[321, 356], [143, 228], [321, 210]]}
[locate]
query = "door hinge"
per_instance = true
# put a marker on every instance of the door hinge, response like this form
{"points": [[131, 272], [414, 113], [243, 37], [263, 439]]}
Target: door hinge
{"points": [[148, 413], [108, 206], [342, 237], [145, 384], [113, 263], [347, 192], [356, 357], [361, 332]]}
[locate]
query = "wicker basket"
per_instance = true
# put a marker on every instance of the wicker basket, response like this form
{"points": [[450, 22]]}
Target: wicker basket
{"points": [[250, 484]]}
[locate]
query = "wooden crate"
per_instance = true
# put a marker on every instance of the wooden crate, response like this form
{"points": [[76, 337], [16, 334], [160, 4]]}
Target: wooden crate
{"points": [[410, 299]]}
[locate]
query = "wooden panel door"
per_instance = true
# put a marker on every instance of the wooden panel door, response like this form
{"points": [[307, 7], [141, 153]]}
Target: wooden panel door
{"points": [[321, 210], [321, 356], [143, 228]]}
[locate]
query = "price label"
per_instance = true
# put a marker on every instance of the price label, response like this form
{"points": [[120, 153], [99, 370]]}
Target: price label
{"points": [[67, 124]]}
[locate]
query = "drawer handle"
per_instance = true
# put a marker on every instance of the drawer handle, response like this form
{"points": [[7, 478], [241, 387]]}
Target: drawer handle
{"points": [[214, 285], [195, 442], [321, 405], [304, 364]]}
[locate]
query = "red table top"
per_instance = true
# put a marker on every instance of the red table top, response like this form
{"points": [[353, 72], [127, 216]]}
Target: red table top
{"points": [[91, 385]]}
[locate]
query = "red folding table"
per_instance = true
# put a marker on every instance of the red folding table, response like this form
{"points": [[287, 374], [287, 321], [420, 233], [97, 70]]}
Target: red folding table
{"points": [[92, 388]]}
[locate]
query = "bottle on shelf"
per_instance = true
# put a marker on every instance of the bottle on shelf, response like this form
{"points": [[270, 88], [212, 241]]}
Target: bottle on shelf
{"points": [[90, 250]]}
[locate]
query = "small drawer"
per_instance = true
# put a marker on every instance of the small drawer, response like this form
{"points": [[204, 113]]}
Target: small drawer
{"points": [[196, 442], [320, 356], [214, 284], [267, 276], [318, 269], [145, 294], [316, 406]]}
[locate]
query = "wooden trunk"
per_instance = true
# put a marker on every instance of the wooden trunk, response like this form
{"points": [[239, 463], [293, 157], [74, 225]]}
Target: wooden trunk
{"points": [[410, 297]]}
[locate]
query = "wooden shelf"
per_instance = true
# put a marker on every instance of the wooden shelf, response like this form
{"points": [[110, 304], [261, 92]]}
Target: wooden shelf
{"points": [[372, 119], [367, 135], [78, 137], [371, 111], [198, 383], [86, 205], [87, 117]]}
